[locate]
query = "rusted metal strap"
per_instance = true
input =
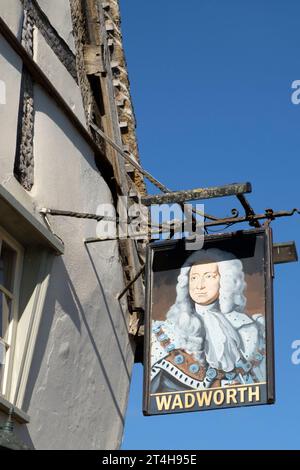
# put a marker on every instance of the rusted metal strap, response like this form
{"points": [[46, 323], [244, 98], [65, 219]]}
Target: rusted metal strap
{"points": [[269, 215], [248, 210], [138, 274], [77, 215], [130, 159], [85, 215]]}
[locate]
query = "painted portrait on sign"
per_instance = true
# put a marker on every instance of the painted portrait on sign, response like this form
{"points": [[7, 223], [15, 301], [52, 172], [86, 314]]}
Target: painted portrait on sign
{"points": [[207, 325]]}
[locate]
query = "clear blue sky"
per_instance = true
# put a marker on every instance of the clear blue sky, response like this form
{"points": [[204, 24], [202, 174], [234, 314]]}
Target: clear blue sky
{"points": [[211, 84]]}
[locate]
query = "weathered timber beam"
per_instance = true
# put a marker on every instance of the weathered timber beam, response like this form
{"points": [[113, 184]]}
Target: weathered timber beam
{"points": [[199, 193], [285, 252], [93, 59]]}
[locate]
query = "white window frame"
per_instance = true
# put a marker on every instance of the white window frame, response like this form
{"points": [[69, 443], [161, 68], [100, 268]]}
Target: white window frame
{"points": [[14, 297]]}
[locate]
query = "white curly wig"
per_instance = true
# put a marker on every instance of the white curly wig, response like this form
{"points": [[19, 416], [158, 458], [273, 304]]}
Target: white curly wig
{"points": [[187, 323]]}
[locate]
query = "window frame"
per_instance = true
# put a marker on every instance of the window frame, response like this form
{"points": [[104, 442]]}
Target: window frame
{"points": [[14, 296]]}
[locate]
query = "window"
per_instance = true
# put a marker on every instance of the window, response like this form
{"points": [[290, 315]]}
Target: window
{"points": [[11, 256]]}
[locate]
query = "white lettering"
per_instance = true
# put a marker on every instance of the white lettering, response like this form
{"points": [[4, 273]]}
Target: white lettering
{"points": [[296, 94], [296, 353]]}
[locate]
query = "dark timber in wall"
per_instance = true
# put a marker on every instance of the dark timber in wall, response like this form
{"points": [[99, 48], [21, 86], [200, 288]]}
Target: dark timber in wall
{"points": [[24, 159], [51, 36], [39, 77]]}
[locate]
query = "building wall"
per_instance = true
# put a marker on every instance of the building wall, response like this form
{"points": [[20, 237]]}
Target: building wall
{"points": [[77, 371]]}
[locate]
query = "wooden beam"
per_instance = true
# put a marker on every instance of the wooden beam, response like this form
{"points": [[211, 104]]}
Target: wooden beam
{"points": [[285, 252], [93, 59], [199, 193]]}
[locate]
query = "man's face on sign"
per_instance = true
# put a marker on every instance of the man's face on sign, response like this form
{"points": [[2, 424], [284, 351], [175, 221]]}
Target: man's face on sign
{"points": [[204, 283]]}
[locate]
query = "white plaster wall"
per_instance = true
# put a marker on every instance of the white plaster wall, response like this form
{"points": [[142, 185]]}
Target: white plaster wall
{"points": [[11, 11], [59, 15], [78, 386], [10, 75], [58, 75], [79, 379]]}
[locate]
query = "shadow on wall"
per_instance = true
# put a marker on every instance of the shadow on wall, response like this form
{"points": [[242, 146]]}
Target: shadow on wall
{"points": [[109, 314], [64, 293], [24, 436]]}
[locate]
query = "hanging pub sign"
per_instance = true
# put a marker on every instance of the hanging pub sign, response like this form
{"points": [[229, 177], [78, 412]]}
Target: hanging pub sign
{"points": [[209, 324]]}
